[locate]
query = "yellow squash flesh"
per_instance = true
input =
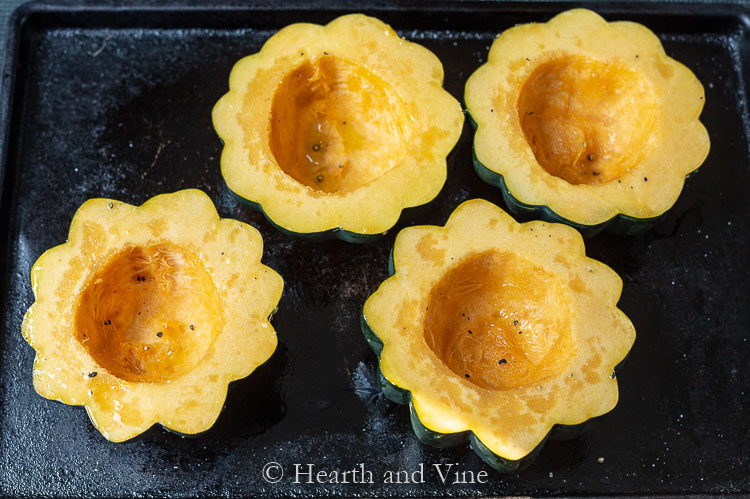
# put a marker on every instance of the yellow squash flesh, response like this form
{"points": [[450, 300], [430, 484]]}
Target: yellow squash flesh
{"points": [[337, 127], [586, 118], [147, 313], [499, 328]]}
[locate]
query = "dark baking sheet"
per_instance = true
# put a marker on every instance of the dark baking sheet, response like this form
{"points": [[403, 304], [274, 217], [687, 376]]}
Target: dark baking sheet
{"points": [[115, 100]]}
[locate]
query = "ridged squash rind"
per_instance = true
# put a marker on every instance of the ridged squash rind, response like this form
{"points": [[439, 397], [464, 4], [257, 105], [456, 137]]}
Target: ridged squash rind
{"points": [[415, 75], [190, 402], [504, 158], [506, 428]]}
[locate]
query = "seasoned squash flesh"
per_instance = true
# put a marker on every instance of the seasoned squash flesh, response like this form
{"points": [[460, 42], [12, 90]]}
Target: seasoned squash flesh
{"points": [[336, 126], [588, 121], [150, 314], [499, 321]]}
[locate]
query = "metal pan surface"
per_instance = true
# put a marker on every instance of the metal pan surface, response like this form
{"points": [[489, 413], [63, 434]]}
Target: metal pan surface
{"points": [[114, 100]]}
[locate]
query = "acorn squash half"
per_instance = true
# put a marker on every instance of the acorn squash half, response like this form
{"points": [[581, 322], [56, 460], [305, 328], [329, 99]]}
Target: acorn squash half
{"points": [[586, 122], [147, 313], [497, 331], [333, 130]]}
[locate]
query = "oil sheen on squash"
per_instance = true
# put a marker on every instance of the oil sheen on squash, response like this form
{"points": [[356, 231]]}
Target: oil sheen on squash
{"points": [[588, 121], [151, 314], [336, 126], [499, 321]]}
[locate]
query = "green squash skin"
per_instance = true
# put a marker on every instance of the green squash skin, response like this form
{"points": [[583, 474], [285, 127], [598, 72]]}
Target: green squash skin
{"points": [[619, 224], [335, 233], [432, 438], [559, 432], [338, 232]]}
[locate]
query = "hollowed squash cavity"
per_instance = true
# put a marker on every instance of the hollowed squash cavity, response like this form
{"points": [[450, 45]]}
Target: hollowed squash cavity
{"points": [[147, 313], [499, 321], [335, 126], [588, 121], [495, 332], [151, 314], [333, 130]]}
